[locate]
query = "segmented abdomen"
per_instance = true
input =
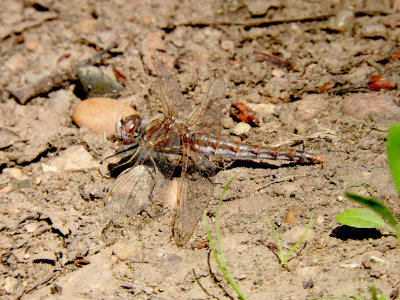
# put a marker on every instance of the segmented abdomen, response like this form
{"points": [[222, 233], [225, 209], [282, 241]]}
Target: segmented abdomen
{"points": [[224, 148]]}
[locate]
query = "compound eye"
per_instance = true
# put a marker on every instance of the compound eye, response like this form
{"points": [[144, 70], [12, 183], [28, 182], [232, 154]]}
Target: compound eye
{"points": [[127, 129]]}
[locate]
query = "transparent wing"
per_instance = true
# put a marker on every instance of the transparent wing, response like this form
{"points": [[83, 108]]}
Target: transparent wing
{"points": [[170, 90], [130, 193], [195, 190], [216, 88]]}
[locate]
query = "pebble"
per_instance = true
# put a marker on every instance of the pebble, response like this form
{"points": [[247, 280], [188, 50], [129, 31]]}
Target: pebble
{"points": [[309, 107], [361, 105], [320, 220], [15, 173], [31, 45], [74, 158], [278, 73], [31, 227], [227, 45], [262, 110], [227, 122], [342, 21], [10, 284], [100, 114], [124, 251], [363, 260], [373, 31], [153, 41], [290, 217], [259, 7], [96, 83], [241, 129]]}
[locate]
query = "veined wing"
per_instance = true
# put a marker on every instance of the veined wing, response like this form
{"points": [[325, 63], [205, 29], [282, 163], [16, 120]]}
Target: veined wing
{"points": [[195, 190], [138, 186], [130, 193], [169, 88], [216, 88]]}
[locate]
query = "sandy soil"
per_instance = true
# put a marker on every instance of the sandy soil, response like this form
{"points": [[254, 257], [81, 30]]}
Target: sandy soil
{"points": [[314, 94]]}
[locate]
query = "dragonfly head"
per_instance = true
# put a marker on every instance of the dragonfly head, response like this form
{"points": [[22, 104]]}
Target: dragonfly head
{"points": [[128, 129]]}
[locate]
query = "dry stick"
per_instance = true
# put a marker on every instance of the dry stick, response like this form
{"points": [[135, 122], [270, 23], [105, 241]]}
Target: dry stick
{"points": [[255, 23], [57, 79], [215, 277], [202, 287], [24, 25], [267, 22]]}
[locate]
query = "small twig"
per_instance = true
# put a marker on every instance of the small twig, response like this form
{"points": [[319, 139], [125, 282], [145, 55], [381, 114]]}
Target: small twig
{"points": [[298, 253], [215, 277], [27, 24], [247, 24], [202, 287], [263, 22]]}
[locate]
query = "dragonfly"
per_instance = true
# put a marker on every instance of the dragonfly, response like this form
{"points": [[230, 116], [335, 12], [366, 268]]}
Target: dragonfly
{"points": [[158, 137]]}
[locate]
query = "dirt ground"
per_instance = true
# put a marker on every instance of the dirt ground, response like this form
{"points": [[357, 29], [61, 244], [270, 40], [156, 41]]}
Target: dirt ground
{"points": [[304, 67]]}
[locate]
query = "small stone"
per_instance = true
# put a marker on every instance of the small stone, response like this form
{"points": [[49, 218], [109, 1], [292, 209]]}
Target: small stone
{"points": [[227, 122], [124, 251], [342, 21], [320, 220], [262, 110], [290, 217], [10, 284], [278, 73], [31, 45], [75, 158], [96, 83], [153, 41], [100, 114], [31, 227], [366, 103], [19, 39], [15, 173], [309, 107], [241, 129], [373, 30], [227, 45], [260, 7]]}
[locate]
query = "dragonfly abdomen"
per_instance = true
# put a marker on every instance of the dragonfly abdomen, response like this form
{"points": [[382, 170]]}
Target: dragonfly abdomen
{"points": [[224, 148]]}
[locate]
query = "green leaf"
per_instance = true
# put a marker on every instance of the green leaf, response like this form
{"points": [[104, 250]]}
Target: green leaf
{"points": [[377, 207], [393, 151], [360, 218]]}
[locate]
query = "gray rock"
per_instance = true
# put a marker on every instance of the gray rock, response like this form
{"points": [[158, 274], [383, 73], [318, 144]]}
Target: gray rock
{"points": [[96, 83]]}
